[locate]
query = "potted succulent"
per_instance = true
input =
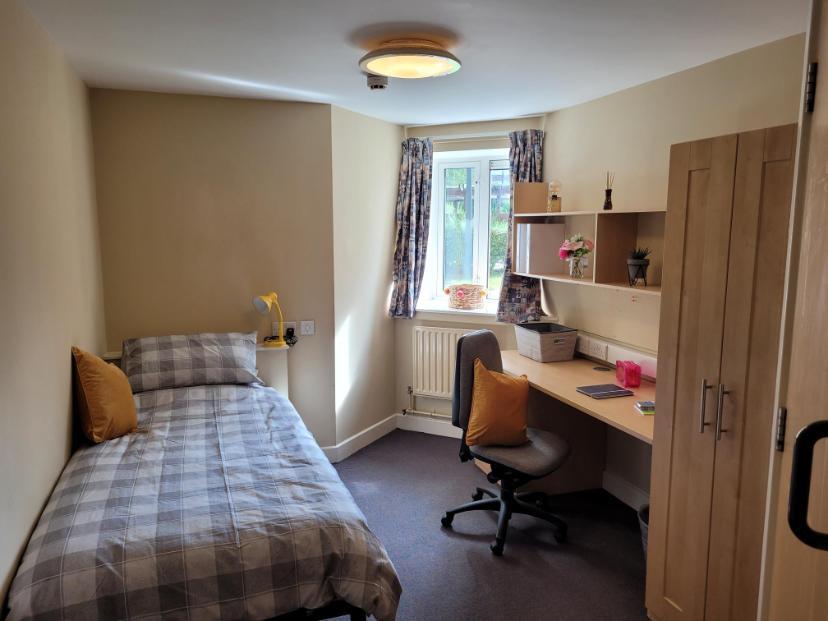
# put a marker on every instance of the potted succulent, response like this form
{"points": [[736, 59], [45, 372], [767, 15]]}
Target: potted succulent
{"points": [[637, 265]]}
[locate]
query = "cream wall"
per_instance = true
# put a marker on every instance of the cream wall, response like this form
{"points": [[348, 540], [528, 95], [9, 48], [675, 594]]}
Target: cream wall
{"points": [[479, 135], [50, 275], [366, 160], [630, 133], [496, 128], [205, 201]]}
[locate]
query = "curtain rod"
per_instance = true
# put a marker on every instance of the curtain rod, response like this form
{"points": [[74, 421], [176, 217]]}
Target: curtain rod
{"points": [[486, 136]]}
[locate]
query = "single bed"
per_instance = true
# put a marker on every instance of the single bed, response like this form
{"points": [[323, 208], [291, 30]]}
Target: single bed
{"points": [[220, 506]]}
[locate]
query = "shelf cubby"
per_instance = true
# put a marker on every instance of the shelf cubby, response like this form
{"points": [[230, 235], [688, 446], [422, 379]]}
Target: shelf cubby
{"points": [[618, 233], [615, 234]]}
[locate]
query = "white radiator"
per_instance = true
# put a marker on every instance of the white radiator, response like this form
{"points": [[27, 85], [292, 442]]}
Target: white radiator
{"points": [[435, 351]]}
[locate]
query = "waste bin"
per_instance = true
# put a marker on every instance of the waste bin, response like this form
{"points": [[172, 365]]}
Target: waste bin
{"points": [[644, 523]]}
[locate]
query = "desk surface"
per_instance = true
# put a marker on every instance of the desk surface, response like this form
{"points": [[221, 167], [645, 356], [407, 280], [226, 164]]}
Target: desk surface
{"points": [[560, 380]]}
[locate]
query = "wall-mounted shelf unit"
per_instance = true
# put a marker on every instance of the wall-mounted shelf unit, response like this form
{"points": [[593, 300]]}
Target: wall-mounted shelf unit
{"points": [[615, 234]]}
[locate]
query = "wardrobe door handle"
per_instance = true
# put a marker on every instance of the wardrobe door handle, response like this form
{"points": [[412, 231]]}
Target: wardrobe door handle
{"points": [[800, 492], [720, 411], [703, 403]]}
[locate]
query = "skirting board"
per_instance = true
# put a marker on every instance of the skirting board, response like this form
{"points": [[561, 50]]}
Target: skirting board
{"points": [[631, 495], [411, 422], [428, 424], [360, 440]]}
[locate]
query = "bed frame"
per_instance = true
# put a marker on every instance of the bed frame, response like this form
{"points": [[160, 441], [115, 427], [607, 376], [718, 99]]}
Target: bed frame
{"points": [[335, 609]]}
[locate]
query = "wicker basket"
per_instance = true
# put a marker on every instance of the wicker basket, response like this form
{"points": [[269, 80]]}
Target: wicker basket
{"points": [[546, 342], [466, 297]]}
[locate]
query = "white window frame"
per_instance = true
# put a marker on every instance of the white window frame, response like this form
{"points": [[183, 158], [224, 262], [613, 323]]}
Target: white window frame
{"points": [[432, 294], [437, 209]]}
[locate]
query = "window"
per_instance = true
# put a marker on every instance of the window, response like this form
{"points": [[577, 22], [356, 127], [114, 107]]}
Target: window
{"points": [[471, 193]]}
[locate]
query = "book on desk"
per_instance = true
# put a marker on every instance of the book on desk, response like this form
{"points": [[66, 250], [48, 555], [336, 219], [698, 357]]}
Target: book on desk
{"points": [[604, 391]]}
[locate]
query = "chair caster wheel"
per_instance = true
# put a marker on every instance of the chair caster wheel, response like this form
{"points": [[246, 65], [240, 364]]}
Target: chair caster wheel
{"points": [[497, 548], [446, 520], [560, 536], [477, 496]]}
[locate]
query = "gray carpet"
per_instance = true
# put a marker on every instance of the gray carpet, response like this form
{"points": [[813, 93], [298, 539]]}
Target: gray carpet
{"points": [[405, 481]]}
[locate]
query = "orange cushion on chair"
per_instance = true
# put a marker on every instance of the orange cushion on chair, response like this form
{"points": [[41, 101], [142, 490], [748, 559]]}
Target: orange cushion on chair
{"points": [[498, 411], [105, 403]]}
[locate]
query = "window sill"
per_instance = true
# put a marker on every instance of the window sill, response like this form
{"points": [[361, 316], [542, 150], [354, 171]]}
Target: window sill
{"points": [[439, 309]]}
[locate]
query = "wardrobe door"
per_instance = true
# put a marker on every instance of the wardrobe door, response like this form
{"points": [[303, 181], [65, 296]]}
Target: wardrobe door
{"points": [[699, 204], [745, 411]]}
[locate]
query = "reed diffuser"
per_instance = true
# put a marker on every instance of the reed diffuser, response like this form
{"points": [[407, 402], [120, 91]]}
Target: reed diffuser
{"points": [[608, 191]]}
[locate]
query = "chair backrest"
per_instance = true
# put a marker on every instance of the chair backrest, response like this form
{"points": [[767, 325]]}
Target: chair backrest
{"points": [[481, 344]]}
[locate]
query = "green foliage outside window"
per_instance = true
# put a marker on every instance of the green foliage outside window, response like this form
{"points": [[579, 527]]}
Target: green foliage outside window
{"points": [[459, 227]]}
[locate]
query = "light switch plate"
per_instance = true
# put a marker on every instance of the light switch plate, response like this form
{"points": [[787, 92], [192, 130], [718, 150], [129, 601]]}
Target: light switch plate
{"points": [[308, 327]]}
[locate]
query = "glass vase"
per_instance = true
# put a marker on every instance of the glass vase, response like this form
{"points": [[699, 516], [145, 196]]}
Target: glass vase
{"points": [[576, 267]]}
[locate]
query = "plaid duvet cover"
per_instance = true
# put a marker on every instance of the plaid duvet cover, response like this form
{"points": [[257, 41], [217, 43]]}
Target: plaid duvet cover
{"points": [[220, 506]]}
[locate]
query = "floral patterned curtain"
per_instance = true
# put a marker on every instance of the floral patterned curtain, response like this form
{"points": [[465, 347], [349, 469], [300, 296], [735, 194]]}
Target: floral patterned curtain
{"points": [[413, 210], [520, 297]]}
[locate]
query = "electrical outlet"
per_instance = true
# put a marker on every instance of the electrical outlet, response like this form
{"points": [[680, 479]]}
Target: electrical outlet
{"points": [[582, 344], [598, 349], [274, 328], [308, 327]]}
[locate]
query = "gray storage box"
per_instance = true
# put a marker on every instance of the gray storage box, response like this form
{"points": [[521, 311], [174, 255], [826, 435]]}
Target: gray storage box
{"points": [[546, 342]]}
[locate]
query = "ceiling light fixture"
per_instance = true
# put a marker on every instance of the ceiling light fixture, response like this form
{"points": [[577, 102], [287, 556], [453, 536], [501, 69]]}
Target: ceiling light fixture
{"points": [[410, 59]]}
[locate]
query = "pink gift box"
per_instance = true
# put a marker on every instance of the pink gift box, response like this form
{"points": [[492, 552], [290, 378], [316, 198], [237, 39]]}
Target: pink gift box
{"points": [[628, 373]]}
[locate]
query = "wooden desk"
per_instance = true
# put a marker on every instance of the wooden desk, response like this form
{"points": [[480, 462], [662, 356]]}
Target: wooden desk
{"points": [[560, 379]]}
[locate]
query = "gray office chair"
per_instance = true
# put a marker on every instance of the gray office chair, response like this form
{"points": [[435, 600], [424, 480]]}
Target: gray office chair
{"points": [[512, 466]]}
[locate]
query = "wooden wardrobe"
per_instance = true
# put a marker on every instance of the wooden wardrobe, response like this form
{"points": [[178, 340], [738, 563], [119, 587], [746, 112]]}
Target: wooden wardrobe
{"points": [[725, 245]]}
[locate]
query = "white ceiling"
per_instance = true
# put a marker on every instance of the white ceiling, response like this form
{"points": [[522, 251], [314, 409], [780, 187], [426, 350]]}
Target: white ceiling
{"points": [[519, 57]]}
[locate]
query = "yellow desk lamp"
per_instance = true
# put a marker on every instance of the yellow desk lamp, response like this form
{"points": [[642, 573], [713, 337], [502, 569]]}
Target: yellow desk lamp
{"points": [[264, 304]]}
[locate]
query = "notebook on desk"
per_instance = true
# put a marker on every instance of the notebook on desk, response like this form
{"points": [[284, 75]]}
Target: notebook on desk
{"points": [[604, 391]]}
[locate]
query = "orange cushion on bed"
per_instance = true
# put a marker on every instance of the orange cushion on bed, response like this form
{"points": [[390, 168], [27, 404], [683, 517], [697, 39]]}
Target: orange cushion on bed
{"points": [[498, 411], [105, 403]]}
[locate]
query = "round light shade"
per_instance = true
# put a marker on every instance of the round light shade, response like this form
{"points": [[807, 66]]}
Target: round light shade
{"points": [[410, 59], [263, 303]]}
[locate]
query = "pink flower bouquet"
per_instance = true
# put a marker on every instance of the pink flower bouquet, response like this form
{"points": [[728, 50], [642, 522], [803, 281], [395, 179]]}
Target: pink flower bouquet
{"points": [[575, 246]]}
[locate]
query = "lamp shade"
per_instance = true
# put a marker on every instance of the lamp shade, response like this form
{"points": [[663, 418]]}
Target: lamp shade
{"points": [[263, 303]]}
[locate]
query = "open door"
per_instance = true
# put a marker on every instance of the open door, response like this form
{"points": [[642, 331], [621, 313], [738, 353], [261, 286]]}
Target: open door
{"points": [[795, 576]]}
